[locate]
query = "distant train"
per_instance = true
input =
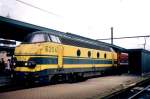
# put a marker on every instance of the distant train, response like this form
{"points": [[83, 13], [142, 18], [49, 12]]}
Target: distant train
{"points": [[123, 62], [46, 56]]}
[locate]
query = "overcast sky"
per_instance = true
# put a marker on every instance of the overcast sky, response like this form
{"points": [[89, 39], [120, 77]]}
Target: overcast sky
{"points": [[89, 18]]}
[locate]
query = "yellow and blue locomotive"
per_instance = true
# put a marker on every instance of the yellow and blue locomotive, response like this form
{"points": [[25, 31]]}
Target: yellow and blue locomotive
{"points": [[45, 56]]}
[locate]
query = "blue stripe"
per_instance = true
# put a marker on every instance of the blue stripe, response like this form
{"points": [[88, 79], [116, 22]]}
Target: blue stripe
{"points": [[85, 61], [102, 61], [77, 61], [44, 60], [54, 60]]}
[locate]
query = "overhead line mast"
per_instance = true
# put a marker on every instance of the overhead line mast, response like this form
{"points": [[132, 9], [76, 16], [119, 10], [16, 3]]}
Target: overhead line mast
{"points": [[112, 35]]}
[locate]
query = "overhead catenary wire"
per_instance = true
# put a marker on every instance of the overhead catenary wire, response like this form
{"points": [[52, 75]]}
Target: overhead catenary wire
{"points": [[126, 37], [43, 10], [130, 37]]}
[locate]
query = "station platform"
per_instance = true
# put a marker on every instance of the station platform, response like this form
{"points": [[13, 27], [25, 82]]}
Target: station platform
{"points": [[94, 88]]}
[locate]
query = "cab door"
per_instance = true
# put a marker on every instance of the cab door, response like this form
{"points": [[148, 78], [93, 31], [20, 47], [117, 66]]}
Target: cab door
{"points": [[93, 62], [60, 56], [113, 57], [60, 50]]}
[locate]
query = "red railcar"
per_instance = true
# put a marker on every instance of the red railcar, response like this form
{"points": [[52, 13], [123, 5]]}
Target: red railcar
{"points": [[123, 59], [123, 62]]}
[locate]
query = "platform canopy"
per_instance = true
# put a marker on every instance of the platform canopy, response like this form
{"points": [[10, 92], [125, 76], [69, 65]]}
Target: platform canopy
{"points": [[17, 30]]}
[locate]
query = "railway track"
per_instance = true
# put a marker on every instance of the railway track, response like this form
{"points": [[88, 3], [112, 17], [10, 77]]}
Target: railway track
{"points": [[5, 80], [13, 86], [144, 93], [140, 90]]}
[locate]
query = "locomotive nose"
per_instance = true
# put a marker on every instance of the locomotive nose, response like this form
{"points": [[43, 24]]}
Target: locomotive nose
{"points": [[17, 63]]}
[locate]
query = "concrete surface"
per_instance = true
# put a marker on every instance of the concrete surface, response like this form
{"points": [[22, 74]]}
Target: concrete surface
{"points": [[90, 89]]}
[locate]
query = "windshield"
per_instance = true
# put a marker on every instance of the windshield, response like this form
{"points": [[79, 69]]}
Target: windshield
{"points": [[39, 37]]}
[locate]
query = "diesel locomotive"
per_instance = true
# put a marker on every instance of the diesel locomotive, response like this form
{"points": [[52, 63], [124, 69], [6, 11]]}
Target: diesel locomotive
{"points": [[45, 56]]}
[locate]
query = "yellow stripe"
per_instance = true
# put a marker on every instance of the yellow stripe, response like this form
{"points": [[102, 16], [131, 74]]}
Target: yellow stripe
{"points": [[37, 68], [77, 65], [85, 65], [103, 65], [43, 67]]}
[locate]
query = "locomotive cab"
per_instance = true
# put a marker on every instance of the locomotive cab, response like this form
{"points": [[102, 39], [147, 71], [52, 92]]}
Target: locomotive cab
{"points": [[38, 49], [36, 45]]}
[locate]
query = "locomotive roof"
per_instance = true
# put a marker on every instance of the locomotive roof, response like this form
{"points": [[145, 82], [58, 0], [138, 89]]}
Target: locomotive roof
{"points": [[75, 40]]}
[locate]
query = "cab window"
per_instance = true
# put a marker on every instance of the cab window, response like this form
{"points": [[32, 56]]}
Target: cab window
{"points": [[38, 38], [55, 39]]}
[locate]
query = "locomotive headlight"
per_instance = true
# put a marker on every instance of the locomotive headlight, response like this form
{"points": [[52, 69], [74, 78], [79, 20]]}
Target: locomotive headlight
{"points": [[26, 64], [14, 60], [31, 64], [14, 64]]}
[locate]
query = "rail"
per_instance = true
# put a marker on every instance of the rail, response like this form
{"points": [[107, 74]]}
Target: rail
{"points": [[140, 92], [127, 92]]}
